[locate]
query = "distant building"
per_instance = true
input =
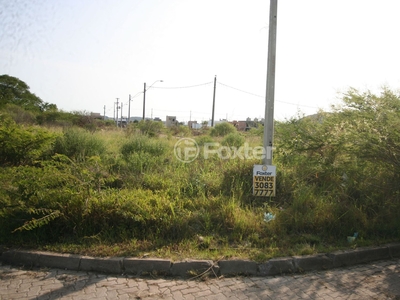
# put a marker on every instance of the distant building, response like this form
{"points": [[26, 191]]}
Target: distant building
{"points": [[123, 122], [244, 125], [171, 121], [194, 125], [96, 116], [240, 125]]}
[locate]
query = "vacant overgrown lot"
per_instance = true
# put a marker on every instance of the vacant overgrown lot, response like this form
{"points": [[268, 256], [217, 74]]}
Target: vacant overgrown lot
{"points": [[116, 191]]}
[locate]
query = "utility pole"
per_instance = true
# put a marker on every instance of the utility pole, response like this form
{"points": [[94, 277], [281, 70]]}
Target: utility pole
{"points": [[144, 97], [104, 114], [122, 104], [213, 106], [270, 93], [117, 111], [129, 109], [144, 101]]}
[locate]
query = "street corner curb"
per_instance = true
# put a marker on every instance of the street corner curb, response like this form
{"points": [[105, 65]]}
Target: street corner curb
{"points": [[344, 258], [312, 262], [277, 266], [137, 266], [194, 268], [60, 261], [394, 250], [368, 254], [22, 258], [237, 267], [106, 264], [191, 268]]}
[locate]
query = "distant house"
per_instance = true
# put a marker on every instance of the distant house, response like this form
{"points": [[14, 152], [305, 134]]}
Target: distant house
{"points": [[122, 123], [244, 125], [240, 125], [96, 116], [194, 125], [171, 121]]}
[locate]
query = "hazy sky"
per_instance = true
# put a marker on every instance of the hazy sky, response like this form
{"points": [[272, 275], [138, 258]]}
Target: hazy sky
{"points": [[83, 54]]}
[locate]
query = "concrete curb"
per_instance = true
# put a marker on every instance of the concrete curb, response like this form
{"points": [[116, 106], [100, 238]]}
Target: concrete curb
{"points": [[192, 268]]}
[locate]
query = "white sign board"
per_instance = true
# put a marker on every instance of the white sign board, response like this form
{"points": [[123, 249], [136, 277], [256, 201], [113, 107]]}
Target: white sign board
{"points": [[264, 180]]}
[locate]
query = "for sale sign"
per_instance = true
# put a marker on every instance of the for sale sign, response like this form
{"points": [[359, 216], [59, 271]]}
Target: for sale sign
{"points": [[264, 180]]}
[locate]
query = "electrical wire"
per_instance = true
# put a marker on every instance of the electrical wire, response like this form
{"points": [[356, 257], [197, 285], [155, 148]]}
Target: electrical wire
{"points": [[252, 94], [182, 87]]}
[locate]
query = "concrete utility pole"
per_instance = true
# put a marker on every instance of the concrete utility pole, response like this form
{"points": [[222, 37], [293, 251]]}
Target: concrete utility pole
{"points": [[104, 114], [117, 112], [213, 106], [144, 101], [129, 109], [144, 96], [270, 94], [122, 104]]}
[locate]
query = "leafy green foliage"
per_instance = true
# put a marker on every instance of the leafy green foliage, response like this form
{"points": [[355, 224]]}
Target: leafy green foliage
{"points": [[338, 173], [233, 139], [143, 144], [348, 160], [141, 153], [22, 145], [15, 91], [78, 144], [222, 129], [146, 127]]}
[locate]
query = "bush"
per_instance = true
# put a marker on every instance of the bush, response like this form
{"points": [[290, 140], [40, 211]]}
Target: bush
{"points": [[141, 153], [233, 139], [20, 115], [78, 144], [204, 139], [22, 145], [180, 130], [141, 144], [149, 128], [222, 129]]}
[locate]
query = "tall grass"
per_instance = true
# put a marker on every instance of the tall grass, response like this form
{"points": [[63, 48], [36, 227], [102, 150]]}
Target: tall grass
{"points": [[127, 187]]}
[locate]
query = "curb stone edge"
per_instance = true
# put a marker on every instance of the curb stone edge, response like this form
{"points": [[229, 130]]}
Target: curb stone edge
{"points": [[196, 268]]}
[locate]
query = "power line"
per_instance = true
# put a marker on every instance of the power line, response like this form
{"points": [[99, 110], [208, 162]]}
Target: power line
{"points": [[252, 94], [182, 87], [231, 87], [222, 84]]}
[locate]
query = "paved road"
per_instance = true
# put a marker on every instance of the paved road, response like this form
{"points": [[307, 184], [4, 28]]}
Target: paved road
{"points": [[378, 280]]}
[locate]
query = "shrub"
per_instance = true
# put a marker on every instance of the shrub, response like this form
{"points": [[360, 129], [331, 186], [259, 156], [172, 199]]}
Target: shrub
{"points": [[222, 129], [142, 153], [143, 144], [233, 139], [149, 128], [78, 144], [180, 130], [204, 139], [22, 145], [20, 115]]}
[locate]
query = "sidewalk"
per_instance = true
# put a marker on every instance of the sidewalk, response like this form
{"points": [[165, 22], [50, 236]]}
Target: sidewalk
{"points": [[376, 280]]}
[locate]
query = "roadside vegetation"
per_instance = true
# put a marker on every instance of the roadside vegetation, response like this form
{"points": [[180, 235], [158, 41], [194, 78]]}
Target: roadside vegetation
{"points": [[71, 183]]}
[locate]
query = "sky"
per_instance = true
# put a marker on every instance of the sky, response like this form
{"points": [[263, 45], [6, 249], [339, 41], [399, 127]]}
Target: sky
{"points": [[84, 54]]}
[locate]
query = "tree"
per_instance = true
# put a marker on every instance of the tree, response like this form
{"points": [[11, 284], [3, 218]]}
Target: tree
{"points": [[15, 91]]}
